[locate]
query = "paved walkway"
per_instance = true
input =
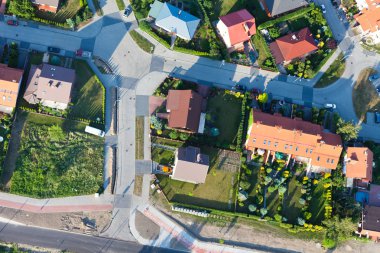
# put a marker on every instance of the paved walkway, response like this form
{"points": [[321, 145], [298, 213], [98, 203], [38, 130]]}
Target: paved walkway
{"points": [[57, 205]]}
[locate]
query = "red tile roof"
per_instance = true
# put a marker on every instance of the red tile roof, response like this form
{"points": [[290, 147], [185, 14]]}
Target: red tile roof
{"points": [[293, 45], [241, 26], [369, 19], [295, 137], [184, 107], [359, 164]]}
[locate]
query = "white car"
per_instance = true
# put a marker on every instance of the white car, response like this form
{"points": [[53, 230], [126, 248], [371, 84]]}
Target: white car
{"points": [[330, 106], [323, 8]]}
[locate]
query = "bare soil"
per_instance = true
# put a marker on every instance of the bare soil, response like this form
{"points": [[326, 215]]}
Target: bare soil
{"points": [[146, 228], [80, 222]]}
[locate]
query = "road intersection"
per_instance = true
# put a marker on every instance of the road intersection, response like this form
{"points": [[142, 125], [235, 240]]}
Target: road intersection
{"points": [[137, 73]]}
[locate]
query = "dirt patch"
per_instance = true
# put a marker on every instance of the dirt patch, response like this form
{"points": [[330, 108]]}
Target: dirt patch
{"points": [[364, 95], [12, 153], [146, 228], [80, 222], [138, 185]]}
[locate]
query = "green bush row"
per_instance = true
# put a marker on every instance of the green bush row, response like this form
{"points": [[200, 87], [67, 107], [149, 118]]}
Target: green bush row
{"points": [[50, 22], [120, 4], [290, 16], [144, 25], [191, 51], [239, 138]]}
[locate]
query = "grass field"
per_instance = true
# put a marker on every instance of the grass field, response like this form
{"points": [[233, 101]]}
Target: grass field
{"points": [[143, 43], [162, 156], [222, 107], [57, 159], [68, 10], [292, 208], [220, 176], [317, 205], [364, 95], [140, 137], [333, 73], [88, 94], [261, 48]]}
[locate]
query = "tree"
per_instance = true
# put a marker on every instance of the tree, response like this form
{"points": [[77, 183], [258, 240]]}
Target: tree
{"points": [[274, 32], [156, 123], [70, 22], [252, 208], [339, 229], [263, 211], [21, 8], [263, 98], [347, 130]]}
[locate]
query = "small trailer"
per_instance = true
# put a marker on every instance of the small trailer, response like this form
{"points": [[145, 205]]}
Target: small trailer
{"points": [[94, 131]]}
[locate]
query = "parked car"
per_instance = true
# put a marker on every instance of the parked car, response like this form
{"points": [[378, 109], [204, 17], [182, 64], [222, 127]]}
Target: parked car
{"points": [[54, 50], [82, 53], [373, 77], [330, 106], [12, 22], [323, 8], [377, 117], [127, 11]]}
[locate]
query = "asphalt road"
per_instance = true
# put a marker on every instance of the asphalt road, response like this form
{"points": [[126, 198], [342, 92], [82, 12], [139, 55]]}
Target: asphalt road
{"points": [[69, 241]]}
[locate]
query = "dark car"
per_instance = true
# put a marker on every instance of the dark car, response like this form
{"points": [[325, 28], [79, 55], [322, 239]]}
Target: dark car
{"points": [[127, 11], [12, 22], [54, 50], [377, 117]]}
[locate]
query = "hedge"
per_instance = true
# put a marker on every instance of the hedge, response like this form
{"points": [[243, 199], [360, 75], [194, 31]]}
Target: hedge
{"points": [[239, 138], [290, 16], [144, 25], [191, 51]]}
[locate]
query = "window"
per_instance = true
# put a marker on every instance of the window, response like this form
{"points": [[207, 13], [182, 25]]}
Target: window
{"points": [[332, 160], [290, 147], [328, 160], [307, 150], [254, 140], [311, 150], [286, 146], [265, 141], [296, 148], [268, 143], [275, 144], [318, 158]]}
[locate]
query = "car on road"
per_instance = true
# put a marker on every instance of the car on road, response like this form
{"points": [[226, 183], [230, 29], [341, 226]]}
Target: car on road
{"points": [[323, 8], [377, 117], [330, 106], [127, 11], [54, 50], [373, 77], [12, 22]]}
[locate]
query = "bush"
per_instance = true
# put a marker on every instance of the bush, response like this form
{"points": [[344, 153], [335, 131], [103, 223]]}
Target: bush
{"points": [[173, 135], [245, 185], [300, 221], [252, 208], [278, 217], [271, 189], [263, 211], [184, 136], [302, 201], [328, 243]]}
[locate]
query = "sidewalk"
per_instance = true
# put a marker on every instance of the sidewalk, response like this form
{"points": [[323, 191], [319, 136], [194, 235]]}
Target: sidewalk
{"points": [[56, 205], [168, 227]]}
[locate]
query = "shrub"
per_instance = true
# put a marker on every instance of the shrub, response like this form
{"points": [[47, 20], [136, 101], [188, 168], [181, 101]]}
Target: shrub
{"points": [[156, 123], [307, 215], [252, 208], [263, 211], [184, 136], [278, 217], [302, 201], [300, 221], [271, 189], [245, 185], [328, 243], [269, 170]]}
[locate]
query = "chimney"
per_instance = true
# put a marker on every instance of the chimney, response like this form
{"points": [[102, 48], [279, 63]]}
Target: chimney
{"points": [[294, 37]]}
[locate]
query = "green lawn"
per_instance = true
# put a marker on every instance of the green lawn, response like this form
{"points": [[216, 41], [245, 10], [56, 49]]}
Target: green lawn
{"points": [[140, 137], [142, 42], [273, 202], [333, 73], [292, 208], [217, 192], [317, 205], [225, 110], [88, 94], [68, 10], [162, 156], [56, 159], [262, 49]]}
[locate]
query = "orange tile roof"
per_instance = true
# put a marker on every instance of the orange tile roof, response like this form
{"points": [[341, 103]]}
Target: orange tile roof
{"points": [[369, 19], [293, 45], [241, 26], [295, 137], [9, 85], [359, 164]]}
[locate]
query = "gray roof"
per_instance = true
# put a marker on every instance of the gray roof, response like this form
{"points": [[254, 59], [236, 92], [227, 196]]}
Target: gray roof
{"points": [[175, 20], [277, 7], [191, 165], [54, 3]]}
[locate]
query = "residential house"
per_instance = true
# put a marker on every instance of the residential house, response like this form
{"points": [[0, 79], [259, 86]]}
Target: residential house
{"points": [[10, 81], [174, 20], [50, 85], [358, 166], [277, 7], [366, 4], [300, 140], [370, 223], [184, 111], [236, 28], [190, 165], [292, 46], [369, 21], [46, 5]]}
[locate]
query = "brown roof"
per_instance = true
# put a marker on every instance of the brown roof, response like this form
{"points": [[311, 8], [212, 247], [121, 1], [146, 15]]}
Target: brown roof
{"points": [[9, 85], [184, 107], [359, 164], [293, 45], [369, 19], [295, 137], [191, 166], [48, 82]]}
